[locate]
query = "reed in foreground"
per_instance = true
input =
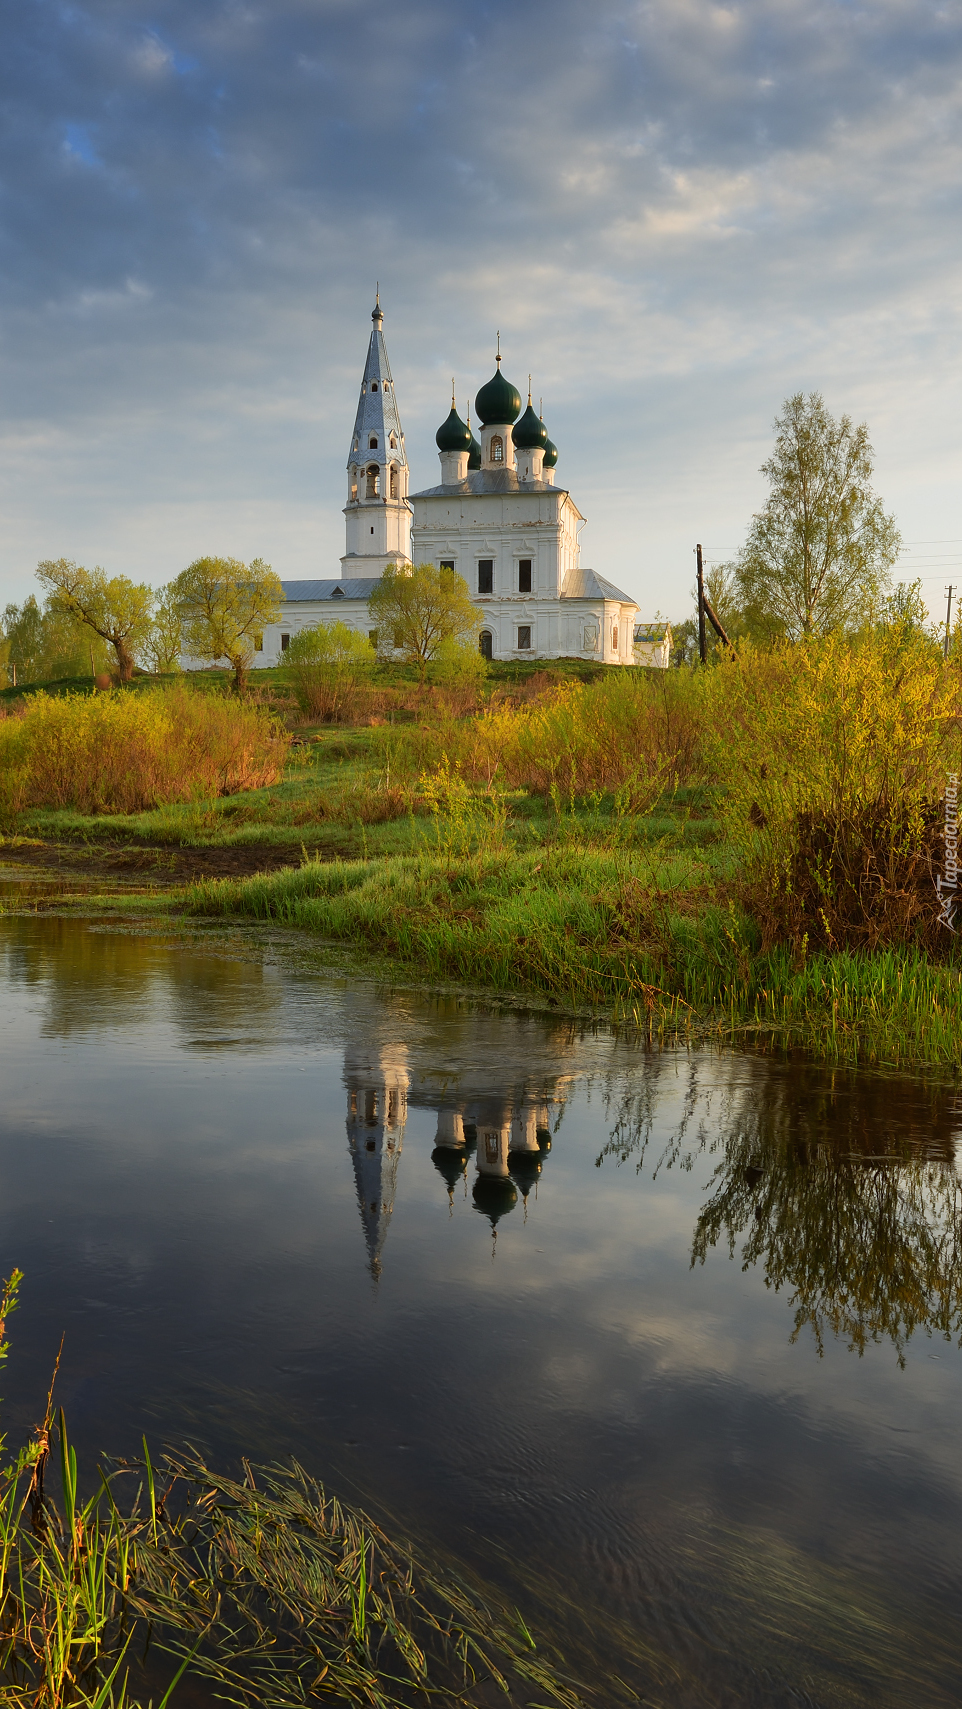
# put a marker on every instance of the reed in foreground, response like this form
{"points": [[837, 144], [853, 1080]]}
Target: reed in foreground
{"points": [[268, 1589]]}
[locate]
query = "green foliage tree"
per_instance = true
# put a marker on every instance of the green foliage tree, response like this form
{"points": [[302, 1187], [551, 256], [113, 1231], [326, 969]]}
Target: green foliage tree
{"points": [[459, 666], [224, 605], [325, 665], [162, 645], [819, 556], [418, 610], [45, 644], [113, 607]]}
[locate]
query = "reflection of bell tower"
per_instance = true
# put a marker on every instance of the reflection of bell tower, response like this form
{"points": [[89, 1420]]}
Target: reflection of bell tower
{"points": [[377, 1104]]}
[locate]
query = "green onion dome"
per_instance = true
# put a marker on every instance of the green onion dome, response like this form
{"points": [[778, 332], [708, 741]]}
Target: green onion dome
{"points": [[550, 458], [453, 435], [499, 402], [474, 455], [530, 432]]}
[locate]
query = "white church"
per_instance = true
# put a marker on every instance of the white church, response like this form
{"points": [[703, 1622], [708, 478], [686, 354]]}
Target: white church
{"points": [[497, 517]]}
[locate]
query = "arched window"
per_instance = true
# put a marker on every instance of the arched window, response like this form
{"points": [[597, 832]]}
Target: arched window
{"points": [[372, 482], [614, 639], [374, 385], [354, 483], [393, 441], [394, 480], [497, 449], [372, 442], [485, 644]]}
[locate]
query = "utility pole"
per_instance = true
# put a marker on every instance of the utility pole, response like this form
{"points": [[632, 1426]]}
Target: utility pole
{"points": [[948, 619], [702, 637]]}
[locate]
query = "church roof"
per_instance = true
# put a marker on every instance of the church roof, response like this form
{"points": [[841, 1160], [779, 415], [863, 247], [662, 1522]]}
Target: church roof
{"points": [[349, 587], [377, 412], [489, 481], [586, 584]]}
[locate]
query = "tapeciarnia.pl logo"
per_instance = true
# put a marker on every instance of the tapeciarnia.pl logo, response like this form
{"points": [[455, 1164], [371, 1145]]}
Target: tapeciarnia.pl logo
{"points": [[947, 882]]}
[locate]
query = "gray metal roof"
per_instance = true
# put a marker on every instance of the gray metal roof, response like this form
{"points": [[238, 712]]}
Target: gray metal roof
{"points": [[489, 481], [587, 584], [350, 587]]}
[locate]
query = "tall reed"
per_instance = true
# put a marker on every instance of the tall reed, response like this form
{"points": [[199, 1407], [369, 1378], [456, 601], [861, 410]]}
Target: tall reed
{"points": [[268, 1588]]}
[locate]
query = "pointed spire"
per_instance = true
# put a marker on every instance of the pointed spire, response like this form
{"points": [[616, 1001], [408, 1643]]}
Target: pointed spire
{"points": [[498, 357], [376, 313]]}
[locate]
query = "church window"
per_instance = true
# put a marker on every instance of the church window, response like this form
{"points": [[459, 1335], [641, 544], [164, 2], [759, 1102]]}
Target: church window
{"points": [[337, 593], [370, 1106], [485, 644], [485, 575], [372, 481], [372, 442], [285, 643], [393, 480], [497, 449], [354, 483], [392, 1108], [446, 564], [524, 637], [614, 638], [491, 1147], [374, 385], [524, 575], [393, 441]]}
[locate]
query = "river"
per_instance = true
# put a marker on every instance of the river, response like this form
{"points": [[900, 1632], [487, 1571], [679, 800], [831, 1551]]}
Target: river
{"points": [[662, 1342]]}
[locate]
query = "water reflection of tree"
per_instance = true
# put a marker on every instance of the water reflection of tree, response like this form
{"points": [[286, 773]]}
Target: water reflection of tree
{"points": [[842, 1188]]}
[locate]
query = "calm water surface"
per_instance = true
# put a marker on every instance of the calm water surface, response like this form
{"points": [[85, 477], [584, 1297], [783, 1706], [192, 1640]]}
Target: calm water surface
{"points": [[654, 1340]]}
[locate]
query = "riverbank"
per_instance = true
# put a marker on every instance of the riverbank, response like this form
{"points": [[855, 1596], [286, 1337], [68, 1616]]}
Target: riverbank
{"points": [[570, 843]]}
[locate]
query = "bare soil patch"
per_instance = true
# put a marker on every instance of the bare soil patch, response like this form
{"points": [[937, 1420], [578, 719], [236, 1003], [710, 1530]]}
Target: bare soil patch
{"points": [[158, 865]]}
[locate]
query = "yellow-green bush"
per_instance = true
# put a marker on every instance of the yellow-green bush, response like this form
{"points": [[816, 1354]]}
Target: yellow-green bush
{"points": [[121, 752], [627, 733], [831, 760]]}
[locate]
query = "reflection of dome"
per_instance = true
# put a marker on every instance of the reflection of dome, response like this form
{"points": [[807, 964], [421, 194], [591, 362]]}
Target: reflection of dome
{"points": [[499, 402], [453, 435], [550, 455], [450, 1164], [494, 1197], [525, 1168], [530, 432]]}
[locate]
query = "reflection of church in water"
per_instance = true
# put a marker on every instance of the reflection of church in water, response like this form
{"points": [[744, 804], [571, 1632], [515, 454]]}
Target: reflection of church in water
{"points": [[501, 1140]]}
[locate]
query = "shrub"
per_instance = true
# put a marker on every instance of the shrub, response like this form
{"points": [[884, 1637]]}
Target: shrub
{"points": [[832, 758], [625, 733], [326, 665], [123, 752]]}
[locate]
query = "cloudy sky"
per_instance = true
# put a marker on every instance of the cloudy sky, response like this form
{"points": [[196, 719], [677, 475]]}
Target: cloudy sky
{"points": [[677, 213]]}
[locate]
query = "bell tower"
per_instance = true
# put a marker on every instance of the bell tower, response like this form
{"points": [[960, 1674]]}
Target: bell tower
{"points": [[377, 510]]}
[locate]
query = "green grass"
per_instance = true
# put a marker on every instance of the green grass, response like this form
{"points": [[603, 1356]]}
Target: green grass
{"points": [[646, 935]]}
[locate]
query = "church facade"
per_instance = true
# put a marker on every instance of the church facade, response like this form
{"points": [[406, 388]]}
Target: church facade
{"points": [[497, 517]]}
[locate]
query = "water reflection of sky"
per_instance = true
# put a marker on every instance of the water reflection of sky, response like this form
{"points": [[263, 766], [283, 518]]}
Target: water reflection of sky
{"points": [[446, 1258]]}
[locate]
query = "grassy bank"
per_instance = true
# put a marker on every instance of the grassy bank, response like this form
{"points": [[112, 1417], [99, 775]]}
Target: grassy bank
{"points": [[649, 936], [751, 848]]}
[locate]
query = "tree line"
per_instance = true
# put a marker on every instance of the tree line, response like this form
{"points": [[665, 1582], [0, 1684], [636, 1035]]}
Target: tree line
{"points": [[217, 610]]}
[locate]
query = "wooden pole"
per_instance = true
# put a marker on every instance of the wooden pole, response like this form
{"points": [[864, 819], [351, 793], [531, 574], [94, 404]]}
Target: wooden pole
{"points": [[702, 637], [713, 619]]}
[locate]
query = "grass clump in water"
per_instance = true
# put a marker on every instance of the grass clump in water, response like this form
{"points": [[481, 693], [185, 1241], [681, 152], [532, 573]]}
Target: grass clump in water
{"points": [[268, 1589]]}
